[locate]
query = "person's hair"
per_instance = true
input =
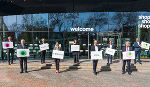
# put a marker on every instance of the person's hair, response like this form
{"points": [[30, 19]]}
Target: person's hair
{"points": [[43, 39], [9, 36], [74, 40], [22, 39]]}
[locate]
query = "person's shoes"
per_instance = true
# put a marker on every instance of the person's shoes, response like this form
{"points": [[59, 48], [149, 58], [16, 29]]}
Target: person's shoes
{"points": [[95, 73], [129, 73], [57, 72], [140, 63], [26, 71], [123, 72], [21, 72]]}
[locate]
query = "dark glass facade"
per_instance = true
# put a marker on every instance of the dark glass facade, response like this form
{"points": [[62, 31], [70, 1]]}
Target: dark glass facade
{"points": [[115, 26]]}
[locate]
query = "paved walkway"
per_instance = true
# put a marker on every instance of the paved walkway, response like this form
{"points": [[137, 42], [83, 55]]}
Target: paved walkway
{"points": [[81, 76]]}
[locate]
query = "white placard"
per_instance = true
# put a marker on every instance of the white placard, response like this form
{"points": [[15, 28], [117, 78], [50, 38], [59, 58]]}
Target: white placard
{"points": [[110, 51], [7, 45], [75, 48], [58, 54], [23, 53], [96, 55], [145, 45], [128, 55], [44, 47]]}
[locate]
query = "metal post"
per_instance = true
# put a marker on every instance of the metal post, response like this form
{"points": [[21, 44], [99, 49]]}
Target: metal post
{"points": [[88, 47]]}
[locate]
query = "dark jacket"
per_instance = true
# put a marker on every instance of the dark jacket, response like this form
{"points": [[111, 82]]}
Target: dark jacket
{"points": [[137, 47], [113, 47], [93, 48]]}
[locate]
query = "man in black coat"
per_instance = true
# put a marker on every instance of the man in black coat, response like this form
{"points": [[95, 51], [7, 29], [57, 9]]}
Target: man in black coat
{"points": [[23, 59], [128, 61], [95, 48], [10, 51]]}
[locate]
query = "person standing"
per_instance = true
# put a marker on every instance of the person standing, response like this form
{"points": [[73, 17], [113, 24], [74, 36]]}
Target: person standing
{"points": [[137, 46], [57, 47], [10, 51], [43, 52], [75, 53], [23, 60], [95, 48], [128, 61], [109, 57]]}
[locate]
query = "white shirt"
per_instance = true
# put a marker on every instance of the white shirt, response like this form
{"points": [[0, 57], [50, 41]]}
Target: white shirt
{"points": [[96, 48], [138, 43], [111, 46], [127, 48]]}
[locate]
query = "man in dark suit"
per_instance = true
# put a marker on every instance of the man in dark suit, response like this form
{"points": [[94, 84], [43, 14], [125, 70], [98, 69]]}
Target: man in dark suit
{"points": [[137, 46], [110, 56], [23, 59], [43, 52], [10, 51], [75, 53], [128, 61], [95, 48]]}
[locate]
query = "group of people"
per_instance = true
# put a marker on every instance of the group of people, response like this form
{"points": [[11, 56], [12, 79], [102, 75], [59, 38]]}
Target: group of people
{"points": [[95, 47]]}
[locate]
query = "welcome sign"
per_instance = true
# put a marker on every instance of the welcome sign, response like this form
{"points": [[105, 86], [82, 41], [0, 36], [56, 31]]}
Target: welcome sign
{"points": [[58, 54], [7, 45], [75, 48], [23, 53], [44, 47], [110, 51], [128, 55], [96, 55], [145, 45]]}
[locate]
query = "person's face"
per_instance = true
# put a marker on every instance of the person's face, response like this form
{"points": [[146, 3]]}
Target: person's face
{"points": [[75, 41], [127, 43], [43, 40], [95, 42], [137, 39], [110, 42], [22, 41], [9, 38], [57, 43]]}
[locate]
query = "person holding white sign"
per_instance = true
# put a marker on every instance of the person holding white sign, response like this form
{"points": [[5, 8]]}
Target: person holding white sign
{"points": [[23, 59], [128, 61], [75, 53], [57, 47], [10, 51], [95, 48], [43, 52], [137, 48], [109, 57]]}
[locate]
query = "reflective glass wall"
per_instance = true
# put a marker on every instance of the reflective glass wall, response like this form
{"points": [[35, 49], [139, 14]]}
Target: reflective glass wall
{"points": [[116, 26]]}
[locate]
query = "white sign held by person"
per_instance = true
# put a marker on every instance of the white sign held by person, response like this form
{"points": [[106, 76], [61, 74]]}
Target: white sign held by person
{"points": [[128, 55], [44, 46], [58, 54], [75, 48], [110, 51], [7, 45], [145, 45], [96, 55], [23, 53]]}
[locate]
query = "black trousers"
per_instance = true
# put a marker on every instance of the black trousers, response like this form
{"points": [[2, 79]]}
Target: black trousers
{"points": [[43, 53], [57, 63], [23, 61], [128, 65], [94, 65], [76, 57], [10, 51]]}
